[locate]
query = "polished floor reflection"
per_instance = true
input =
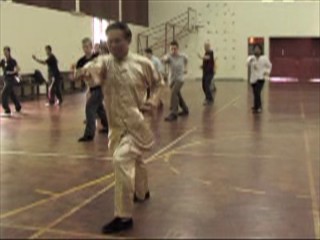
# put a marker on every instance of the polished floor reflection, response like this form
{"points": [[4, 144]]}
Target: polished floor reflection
{"points": [[219, 173]]}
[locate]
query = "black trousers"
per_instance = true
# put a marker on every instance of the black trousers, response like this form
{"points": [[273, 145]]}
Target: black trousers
{"points": [[55, 90], [206, 85], [94, 107], [8, 92], [257, 89]]}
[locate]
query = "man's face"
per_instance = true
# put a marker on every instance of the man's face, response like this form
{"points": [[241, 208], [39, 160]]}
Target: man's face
{"points": [[6, 53], [48, 51], [117, 43], [148, 55], [174, 49], [87, 48], [257, 51], [207, 47]]}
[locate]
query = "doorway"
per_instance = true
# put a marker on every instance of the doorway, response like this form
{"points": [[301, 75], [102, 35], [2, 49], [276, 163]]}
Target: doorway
{"points": [[295, 58]]}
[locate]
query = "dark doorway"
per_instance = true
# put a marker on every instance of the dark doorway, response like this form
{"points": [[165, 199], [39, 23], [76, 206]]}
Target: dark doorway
{"points": [[297, 58]]}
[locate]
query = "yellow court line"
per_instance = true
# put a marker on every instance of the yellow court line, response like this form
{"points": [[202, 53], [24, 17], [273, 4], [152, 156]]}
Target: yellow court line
{"points": [[189, 132], [45, 192], [152, 158], [304, 196], [228, 105], [167, 157], [302, 114], [251, 191], [210, 141], [174, 170], [89, 200], [205, 182], [199, 142], [224, 155], [57, 196], [59, 231], [71, 212]]}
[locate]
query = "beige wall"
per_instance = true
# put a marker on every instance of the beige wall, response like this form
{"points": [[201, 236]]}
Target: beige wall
{"points": [[27, 29], [228, 24]]}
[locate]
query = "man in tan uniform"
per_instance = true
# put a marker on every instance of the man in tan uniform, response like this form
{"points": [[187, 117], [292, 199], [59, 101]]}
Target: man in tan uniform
{"points": [[125, 78]]}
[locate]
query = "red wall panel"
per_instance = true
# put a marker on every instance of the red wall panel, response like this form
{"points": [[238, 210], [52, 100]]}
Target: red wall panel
{"points": [[295, 57]]}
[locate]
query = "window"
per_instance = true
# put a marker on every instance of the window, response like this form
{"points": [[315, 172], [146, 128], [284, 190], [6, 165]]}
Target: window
{"points": [[99, 30]]}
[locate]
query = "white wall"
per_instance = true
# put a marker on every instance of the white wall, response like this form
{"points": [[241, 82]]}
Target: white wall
{"points": [[228, 24], [27, 29]]}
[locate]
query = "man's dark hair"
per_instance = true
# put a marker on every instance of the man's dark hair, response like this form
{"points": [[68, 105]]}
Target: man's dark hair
{"points": [[49, 48], [148, 50], [86, 40], [121, 26], [174, 43], [7, 48]]}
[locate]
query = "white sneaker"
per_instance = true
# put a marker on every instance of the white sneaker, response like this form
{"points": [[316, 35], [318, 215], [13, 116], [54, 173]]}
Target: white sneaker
{"points": [[49, 105], [57, 103], [4, 114]]}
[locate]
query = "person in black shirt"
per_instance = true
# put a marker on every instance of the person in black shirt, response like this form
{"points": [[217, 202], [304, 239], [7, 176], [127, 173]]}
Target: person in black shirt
{"points": [[207, 73], [53, 74], [94, 104], [10, 71]]}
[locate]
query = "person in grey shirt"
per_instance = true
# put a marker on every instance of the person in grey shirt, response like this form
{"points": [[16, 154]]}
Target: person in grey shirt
{"points": [[160, 71], [177, 63]]}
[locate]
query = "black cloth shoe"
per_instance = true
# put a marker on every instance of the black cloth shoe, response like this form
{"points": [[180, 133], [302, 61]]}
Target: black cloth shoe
{"points": [[85, 139], [104, 130], [183, 113], [146, 197], [117, 225], [207, 102], [172, 117]]}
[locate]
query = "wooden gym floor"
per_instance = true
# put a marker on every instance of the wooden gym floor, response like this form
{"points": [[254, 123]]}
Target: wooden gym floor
{"points": [[219, 173]]}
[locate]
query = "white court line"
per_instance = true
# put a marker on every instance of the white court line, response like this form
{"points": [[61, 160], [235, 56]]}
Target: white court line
{"points": [[312, 185]]}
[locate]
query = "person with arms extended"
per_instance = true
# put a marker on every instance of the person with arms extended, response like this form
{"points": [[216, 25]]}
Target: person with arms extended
{"points": [[178, 68], [124, 77], [94, 103], [54, 76], [10, 72], [207, 73]]}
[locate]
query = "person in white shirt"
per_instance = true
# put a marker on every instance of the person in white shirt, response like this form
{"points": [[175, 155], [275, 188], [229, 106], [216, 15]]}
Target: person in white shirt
{"points": [[260, 68]]}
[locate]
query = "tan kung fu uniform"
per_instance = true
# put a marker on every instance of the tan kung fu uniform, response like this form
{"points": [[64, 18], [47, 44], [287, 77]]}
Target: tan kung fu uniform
{"points": [[124, 85]]}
